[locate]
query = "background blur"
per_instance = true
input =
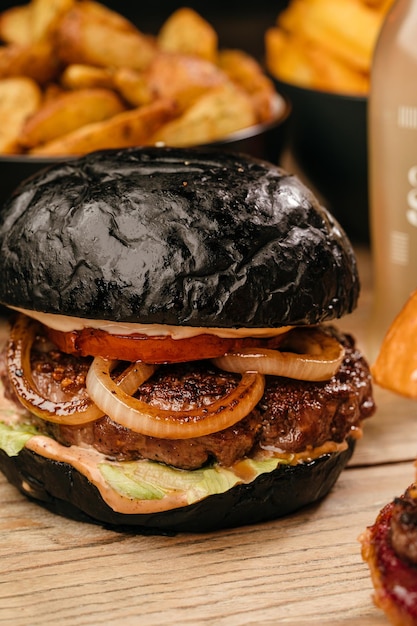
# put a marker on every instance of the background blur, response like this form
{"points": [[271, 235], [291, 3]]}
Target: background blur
{"points": [[238, 23]]}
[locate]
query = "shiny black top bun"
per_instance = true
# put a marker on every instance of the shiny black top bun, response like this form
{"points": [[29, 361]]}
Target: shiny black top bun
{"points": [[185, 237]]}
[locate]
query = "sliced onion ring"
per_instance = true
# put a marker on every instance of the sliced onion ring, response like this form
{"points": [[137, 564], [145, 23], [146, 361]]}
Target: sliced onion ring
{"points": [[149, 420], [78, 410], [312, 355], [133, 376]]}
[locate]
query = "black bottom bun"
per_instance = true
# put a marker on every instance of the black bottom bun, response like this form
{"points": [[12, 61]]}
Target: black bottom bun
{"points": [[63, 490]]}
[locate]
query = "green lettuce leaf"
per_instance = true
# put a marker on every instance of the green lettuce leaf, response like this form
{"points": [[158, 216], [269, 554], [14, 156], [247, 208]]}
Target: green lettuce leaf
{"points": [[14, 437], [148, 480]]}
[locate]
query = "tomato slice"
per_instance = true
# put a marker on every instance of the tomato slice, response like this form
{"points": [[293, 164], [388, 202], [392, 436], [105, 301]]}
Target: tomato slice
{"points": [[161, 349]]}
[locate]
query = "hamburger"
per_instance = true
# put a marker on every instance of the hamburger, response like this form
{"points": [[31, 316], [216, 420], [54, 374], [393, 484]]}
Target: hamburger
{"points": [[171, 365]]}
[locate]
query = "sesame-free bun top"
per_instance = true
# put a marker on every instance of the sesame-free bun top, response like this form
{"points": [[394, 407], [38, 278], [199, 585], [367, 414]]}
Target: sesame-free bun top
{"points": [[182, 237]]}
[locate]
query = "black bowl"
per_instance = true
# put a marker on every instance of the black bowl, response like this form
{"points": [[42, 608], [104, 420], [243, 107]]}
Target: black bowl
{"points": [[328, 139], [265, 141]]}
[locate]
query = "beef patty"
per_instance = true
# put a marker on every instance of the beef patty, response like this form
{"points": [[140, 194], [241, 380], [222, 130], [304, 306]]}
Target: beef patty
{"points": [[292, 416]]}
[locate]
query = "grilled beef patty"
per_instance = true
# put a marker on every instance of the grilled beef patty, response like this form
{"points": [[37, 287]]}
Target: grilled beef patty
{"points": [[291, 417]]}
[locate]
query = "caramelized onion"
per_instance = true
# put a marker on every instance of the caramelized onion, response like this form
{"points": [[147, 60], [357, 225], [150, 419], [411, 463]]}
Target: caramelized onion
{"points": [[79, 410], [133, 376], [170, 424], [312, 355]]}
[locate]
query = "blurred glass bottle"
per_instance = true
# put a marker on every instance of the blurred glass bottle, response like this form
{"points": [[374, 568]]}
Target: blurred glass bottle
{"points": [[392, 140]]}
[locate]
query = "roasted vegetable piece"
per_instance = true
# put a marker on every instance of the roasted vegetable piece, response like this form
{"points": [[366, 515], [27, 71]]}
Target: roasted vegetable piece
{"points": [[396, 365]]}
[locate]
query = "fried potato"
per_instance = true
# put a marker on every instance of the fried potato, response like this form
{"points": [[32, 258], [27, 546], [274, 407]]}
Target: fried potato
{"points": [[104, 83], [307, 65], [79, 76], [130, 128], [185, 31], [331, 72], [179, 77], [67, 112], [216, 114], [45, 16], [396, 365], [244, 70], [52, 91], [25, 24], [15, 26], [322, 44], [183, 78], [36, 61], [287, 59], [347, 28], [379, 5], [19, 98], [91, 34], [133, 86]]}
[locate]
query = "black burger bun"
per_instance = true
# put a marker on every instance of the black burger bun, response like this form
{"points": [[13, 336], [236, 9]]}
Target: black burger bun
{"points": [[64, 491], [180, 237]]}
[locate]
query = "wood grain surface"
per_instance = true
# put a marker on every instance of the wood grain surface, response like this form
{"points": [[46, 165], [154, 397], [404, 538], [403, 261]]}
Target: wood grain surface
{"points": [[305, 568]]}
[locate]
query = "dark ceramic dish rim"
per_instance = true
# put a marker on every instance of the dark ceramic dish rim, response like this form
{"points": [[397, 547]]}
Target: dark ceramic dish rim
{"points": [[280, 84]]}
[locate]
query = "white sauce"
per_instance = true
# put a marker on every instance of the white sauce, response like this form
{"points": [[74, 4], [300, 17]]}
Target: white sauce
{"points": [[67, 323], [86, 461]]}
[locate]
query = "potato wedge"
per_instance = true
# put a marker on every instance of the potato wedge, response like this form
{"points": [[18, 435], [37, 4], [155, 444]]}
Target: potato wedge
{"points": [[52, 91], [293, 60], [216, 114], [244, 70], [15, 25], [37, 61], [287, 58], [185, 31], [133, 86], [67, 112], [92, 34], [396, 365], [379, 5], [45, 16], [130, 128], [322, 44], [74, 48], [331, 72], [79, 76], [20, 97], [183, 78], [32, 22], [348, 30]]}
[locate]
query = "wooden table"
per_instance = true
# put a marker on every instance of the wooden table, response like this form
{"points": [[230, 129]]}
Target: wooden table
{"points": [[306, 568]]}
